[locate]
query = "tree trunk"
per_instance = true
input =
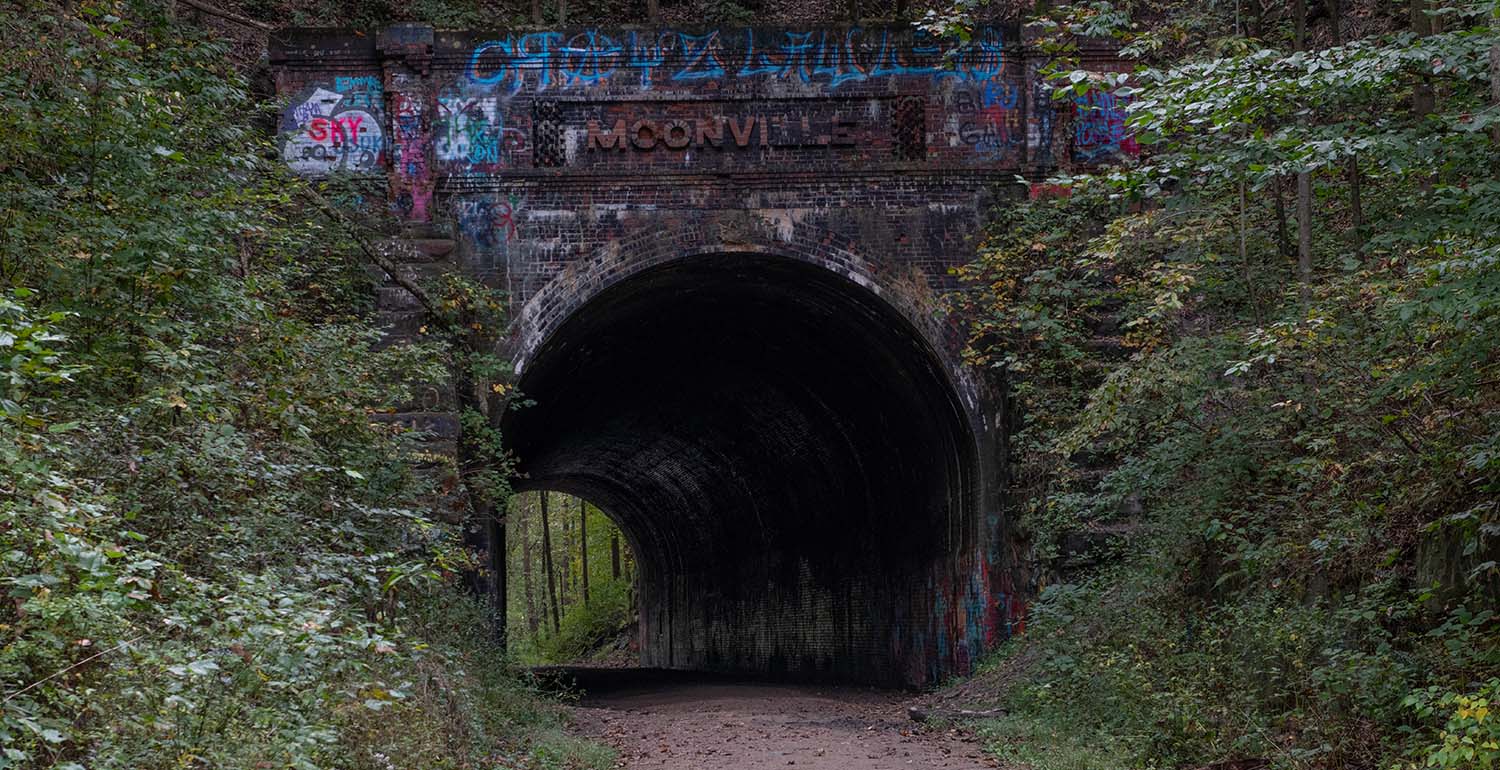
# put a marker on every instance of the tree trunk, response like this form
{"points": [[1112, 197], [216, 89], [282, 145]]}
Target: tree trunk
{"points": [[1495, 74], [484, 532], [1335, 11], [567, 551], [1356, 205], [547, 564], [1299, 25], [583, 546], [1283, 241], [1423, 98], [500, 586], [1245, 252], [614, 556], [536, 12], [1304, 182], [1304, 234], [562, 13], [523, 531], [653, 11]]}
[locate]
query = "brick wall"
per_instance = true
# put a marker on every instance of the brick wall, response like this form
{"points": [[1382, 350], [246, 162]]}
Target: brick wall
{"points": [[563, 165]]}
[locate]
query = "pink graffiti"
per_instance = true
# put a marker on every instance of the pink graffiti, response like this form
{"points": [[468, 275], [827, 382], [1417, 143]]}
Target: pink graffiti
{"points": [[411, 181]]}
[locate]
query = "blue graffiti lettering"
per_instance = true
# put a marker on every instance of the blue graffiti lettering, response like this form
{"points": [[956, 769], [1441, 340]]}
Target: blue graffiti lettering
{"points": [[545, 60], [702, 58], [589, 58], [838, 61], [649, 56], [534, 52]]}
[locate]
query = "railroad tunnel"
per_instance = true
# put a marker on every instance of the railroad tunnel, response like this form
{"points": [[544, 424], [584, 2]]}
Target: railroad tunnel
{"points": [[789, 460]]}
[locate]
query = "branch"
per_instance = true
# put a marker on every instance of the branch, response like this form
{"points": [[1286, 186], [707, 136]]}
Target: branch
{"points": [[234, 17], [919, 714], [373, 254], [60, 672]]}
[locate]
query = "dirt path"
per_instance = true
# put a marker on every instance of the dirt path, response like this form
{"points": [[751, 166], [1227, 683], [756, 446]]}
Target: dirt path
{"points": [[713, 726]]}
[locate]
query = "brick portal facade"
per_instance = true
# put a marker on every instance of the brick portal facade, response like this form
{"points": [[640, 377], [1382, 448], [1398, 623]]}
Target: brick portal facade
{"points": [[820, 183]]}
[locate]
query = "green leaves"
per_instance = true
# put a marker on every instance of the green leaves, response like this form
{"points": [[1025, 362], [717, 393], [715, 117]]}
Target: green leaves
{"points": [[1297, 494], [198, 520]]}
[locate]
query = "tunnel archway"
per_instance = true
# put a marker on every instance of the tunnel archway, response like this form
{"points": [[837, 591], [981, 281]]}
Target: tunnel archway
{"points": [[789, 458]]}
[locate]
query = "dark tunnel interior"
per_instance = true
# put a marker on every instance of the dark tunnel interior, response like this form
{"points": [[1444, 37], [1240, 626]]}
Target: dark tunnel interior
{"points": [[782, 448]]}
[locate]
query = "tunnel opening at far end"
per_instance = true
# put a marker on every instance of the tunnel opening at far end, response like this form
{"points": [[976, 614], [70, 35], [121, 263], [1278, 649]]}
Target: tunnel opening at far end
{"points": [[790, 462]]}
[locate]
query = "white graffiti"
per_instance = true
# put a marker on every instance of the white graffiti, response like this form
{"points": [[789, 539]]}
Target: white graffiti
{"points": [[473, 131], [326, 134]]}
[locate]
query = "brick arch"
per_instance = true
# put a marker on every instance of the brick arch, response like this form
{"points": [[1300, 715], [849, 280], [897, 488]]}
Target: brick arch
{"points": [[905, 291], [667, 483]]}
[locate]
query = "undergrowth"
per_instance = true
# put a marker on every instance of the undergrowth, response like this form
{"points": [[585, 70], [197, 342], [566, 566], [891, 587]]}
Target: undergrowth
{"points": [[1287, 480], [211, 557]]}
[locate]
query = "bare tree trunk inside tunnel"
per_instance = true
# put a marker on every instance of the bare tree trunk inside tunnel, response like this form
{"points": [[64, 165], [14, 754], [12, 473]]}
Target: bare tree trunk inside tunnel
{"points": [[583, 546], [527, 585], [614, 556], [567, 582], [547, 564]]}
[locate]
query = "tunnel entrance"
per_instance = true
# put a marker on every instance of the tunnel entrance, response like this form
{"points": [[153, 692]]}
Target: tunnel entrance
{"points": [[788, 459]]}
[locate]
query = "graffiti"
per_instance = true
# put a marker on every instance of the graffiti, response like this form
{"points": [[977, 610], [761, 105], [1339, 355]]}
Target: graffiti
{"points": [[544, 60], [488, 222], [472, 131], [1041, 124], [1099, 131], [589, 57], [499, 61], [702, 54], [331, 131], [990, 118], [646, 57], [411, 180], [362, 91]]}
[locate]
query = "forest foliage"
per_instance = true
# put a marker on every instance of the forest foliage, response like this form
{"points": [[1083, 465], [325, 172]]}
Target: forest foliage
{"points": [[571, 588], [212, 558], [1257, 370]]}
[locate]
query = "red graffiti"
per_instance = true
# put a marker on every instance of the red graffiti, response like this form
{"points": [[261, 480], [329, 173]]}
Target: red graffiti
{"points": [[338, 129]]}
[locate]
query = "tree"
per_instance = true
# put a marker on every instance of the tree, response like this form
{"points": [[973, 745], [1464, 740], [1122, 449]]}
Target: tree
{"points": [[547, 565], [583, 545], [1304, 181], [1314, 470], [523, 516]]}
